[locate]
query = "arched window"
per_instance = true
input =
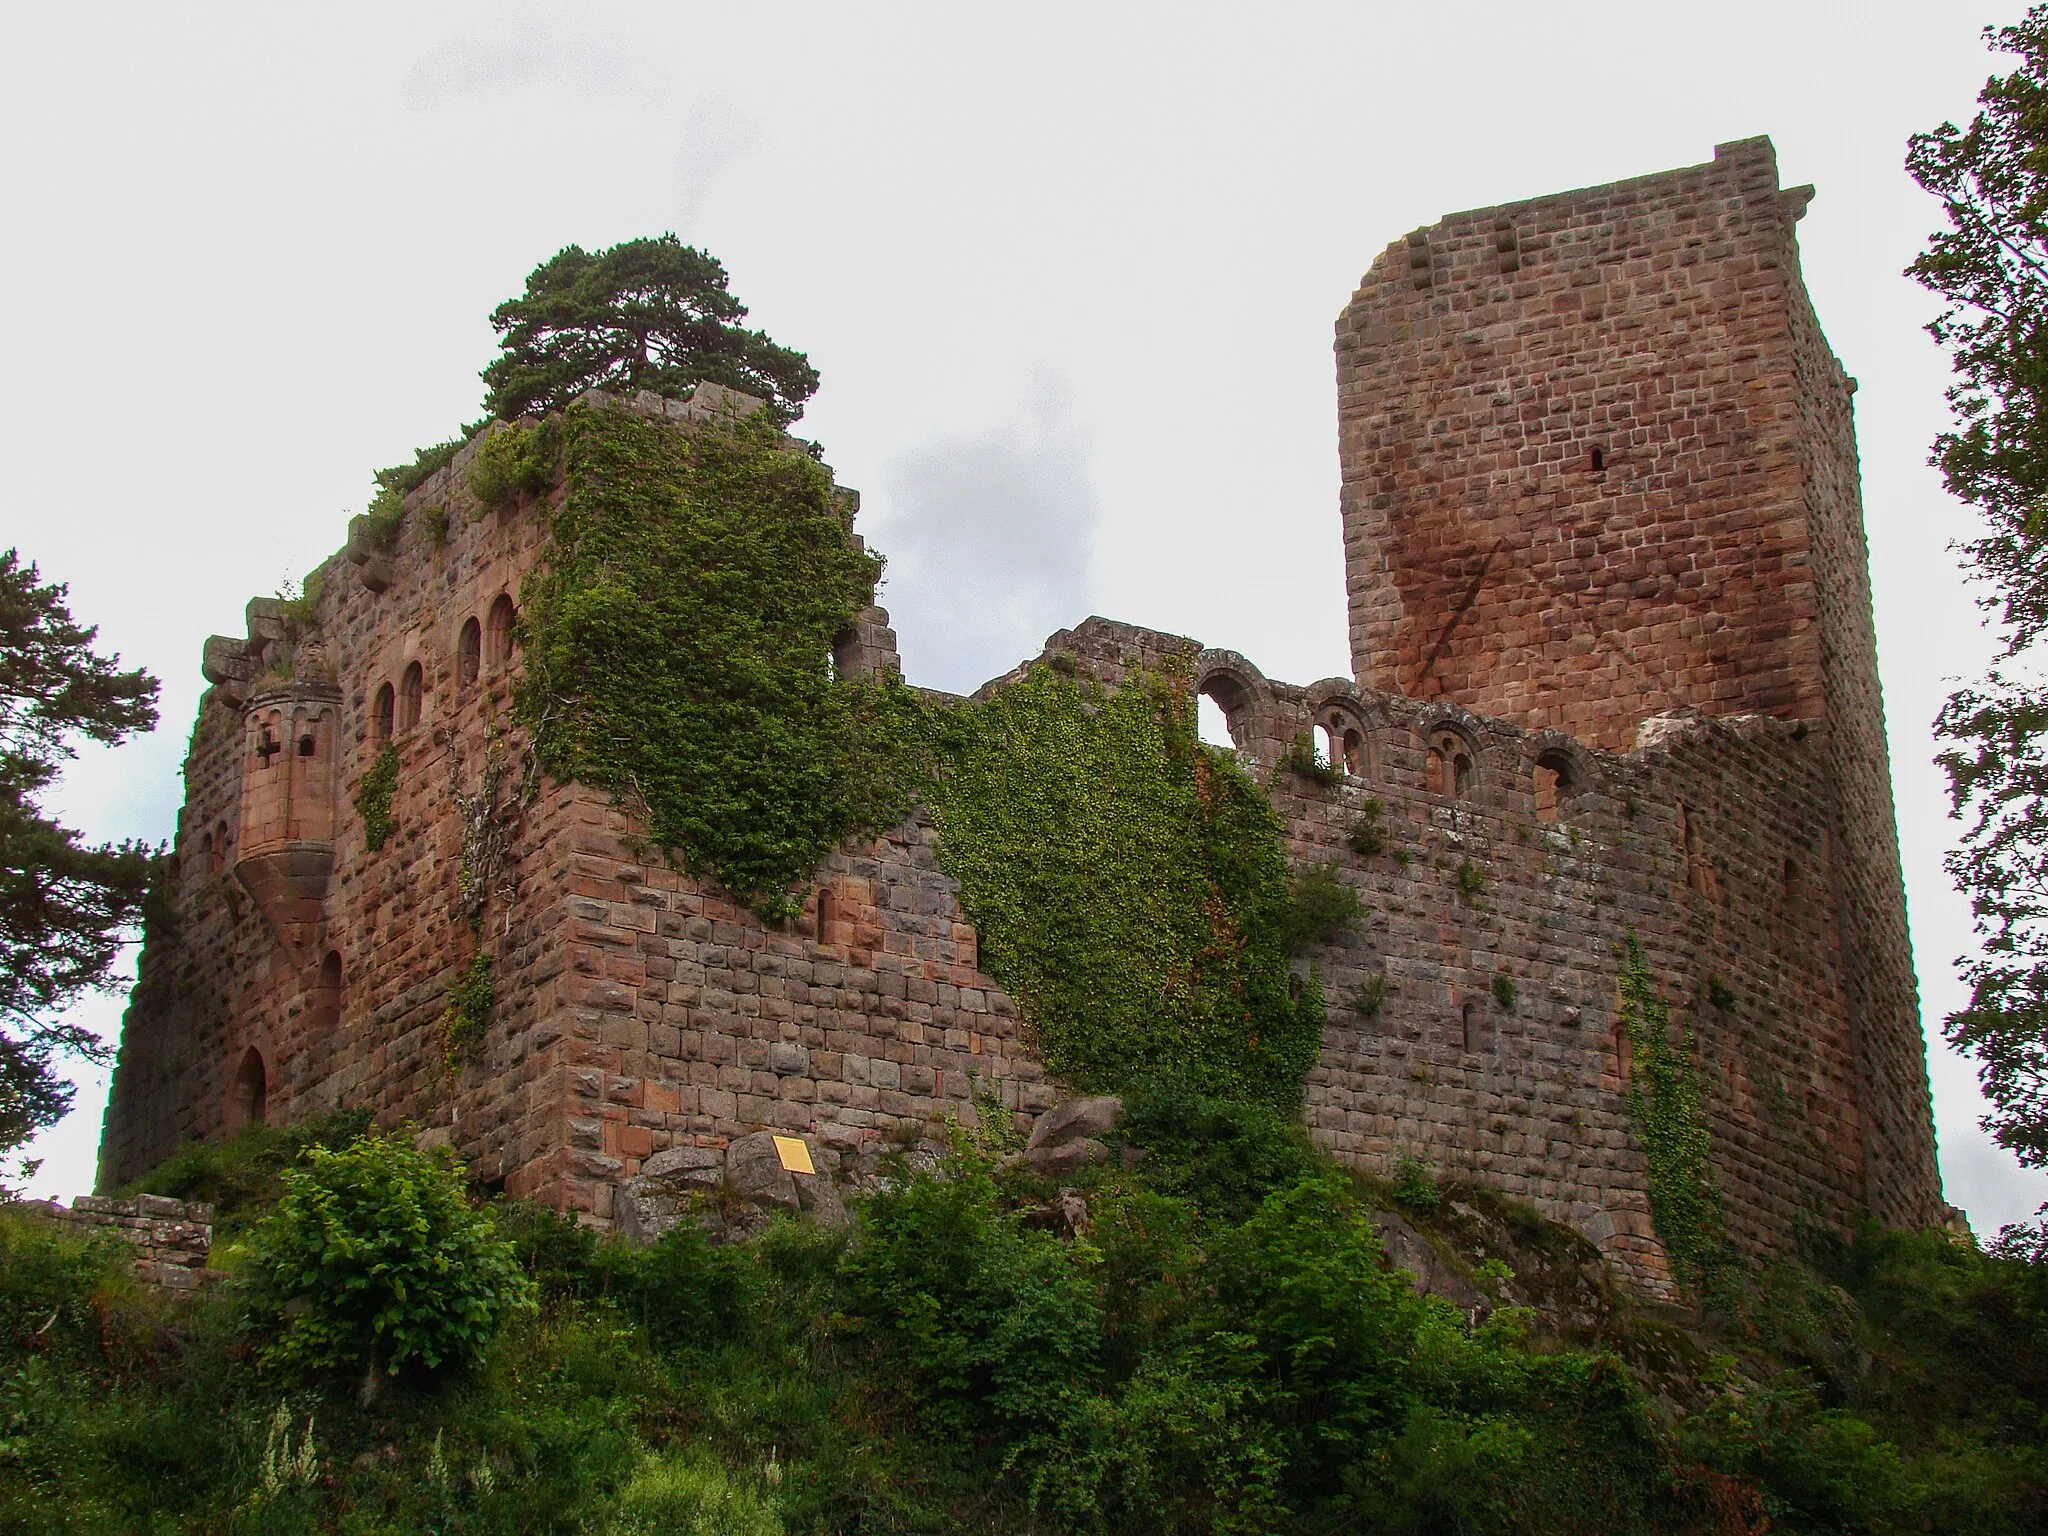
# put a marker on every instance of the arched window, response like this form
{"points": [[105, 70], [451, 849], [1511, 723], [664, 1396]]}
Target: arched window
{"points": [[1327, 751], [218, 856], [1223, 715], [308, 744], [502, 617], [1471, 1025], [1449, 768], [249, 1094], [825, 915], [381, 717], [1554, 780], [1352, 745], [469, 654], [412, 690]]}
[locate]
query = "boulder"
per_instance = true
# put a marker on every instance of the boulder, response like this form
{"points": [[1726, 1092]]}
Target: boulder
{"points": [[1066, 1137], [1074, 1120], [644, 1208], [754, 1174]]}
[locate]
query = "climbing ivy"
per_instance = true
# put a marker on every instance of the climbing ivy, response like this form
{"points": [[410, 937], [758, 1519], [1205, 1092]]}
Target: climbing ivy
{"points": [[1664, 1097], [519, 461], [468, 1014], [373, 797], [1129, 885], [678, 649]]}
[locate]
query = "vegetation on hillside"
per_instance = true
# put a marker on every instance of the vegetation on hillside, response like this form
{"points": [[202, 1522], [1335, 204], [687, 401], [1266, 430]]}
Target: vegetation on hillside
{"points": [[1216, 1346]]}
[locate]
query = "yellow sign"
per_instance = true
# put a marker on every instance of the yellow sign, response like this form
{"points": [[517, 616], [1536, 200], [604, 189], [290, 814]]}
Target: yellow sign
{"points": [[796, 1157]]}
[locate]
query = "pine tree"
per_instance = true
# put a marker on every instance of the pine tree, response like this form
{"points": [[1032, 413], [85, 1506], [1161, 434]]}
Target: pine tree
{"points": [[65, 905], [647, 314]]}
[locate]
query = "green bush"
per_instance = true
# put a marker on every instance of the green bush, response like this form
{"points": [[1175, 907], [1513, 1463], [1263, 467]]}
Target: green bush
{"points": [[515, 463], [690, 1293], [1323, 907], [373, 1258], [690, 1495], [1222, 1155]]}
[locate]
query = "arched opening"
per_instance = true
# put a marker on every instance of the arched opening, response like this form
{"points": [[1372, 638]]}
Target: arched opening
{"points": [[825, 915], [1553, 782], [1327, 751], [308, 744], [1448, 769], [217, 859], [1470, 1023], [1596, 459], [1223, 716], [1352, 745], [469, 653], [1624, 1056], [501, 620], [412, 692], [249, 1094], [382, 715], [1795, 880]]}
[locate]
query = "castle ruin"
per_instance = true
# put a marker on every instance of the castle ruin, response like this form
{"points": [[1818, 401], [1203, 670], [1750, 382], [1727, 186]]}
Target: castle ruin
{"points": [[1613, 673]]}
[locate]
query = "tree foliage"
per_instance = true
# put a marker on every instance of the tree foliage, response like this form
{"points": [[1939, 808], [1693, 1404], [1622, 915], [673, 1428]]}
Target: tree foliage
{"points": [[374, 1259], [1990, 267], [646, 314], [65, 904]]}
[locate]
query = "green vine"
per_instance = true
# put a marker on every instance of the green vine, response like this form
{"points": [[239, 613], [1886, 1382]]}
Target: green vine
{"points": [[1664, 1097], [468, 1014], [1300, 759], [678, 650], [373, 797], [1129, 884]]}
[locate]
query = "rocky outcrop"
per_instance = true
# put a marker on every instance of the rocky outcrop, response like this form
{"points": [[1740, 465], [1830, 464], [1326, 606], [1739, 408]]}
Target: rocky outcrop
{"points": [[734, 1190]]}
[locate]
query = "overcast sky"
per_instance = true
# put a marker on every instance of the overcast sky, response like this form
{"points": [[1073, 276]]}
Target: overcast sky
{"points": [[1069, 273]]}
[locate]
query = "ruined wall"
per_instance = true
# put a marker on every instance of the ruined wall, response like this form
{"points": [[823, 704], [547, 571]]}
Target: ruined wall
{"points": [[1636, 696], [1539, 882], [1572, 478], [636, 1009]]}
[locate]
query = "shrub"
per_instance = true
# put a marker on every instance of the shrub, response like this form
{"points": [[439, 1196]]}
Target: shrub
{"points": [[1301, 760], [1369, 831], [1323, 907], [515, 463], [373, 1258], [1223, 1155], [690, 1493], [690, 1293], [994, 1330]]}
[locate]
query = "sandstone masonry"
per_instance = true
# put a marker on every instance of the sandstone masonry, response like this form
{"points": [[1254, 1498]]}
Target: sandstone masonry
{"points": [[1613, 673]]}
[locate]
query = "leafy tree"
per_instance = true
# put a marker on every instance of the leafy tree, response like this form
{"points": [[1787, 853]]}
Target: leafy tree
{"points": [[647, 314], [374, 1259], [65, 905], [1990, 266]]}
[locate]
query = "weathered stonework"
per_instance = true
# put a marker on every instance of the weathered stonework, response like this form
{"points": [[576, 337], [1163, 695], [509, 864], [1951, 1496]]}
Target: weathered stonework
{"points": [[1592, 698], [172, 1238]]}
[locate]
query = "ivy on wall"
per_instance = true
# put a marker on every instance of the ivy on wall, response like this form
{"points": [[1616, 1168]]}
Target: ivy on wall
{"points": [[373, 797], [1664, 1097], [468, 1014], [678, 650], [1130, 887]]}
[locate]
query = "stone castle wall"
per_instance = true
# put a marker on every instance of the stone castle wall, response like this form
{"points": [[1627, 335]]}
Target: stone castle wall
{"points": [[1638, 698]]}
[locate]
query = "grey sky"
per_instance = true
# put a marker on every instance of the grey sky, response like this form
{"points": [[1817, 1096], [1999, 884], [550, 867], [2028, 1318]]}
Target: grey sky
{"points": [[1069, 273]]}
